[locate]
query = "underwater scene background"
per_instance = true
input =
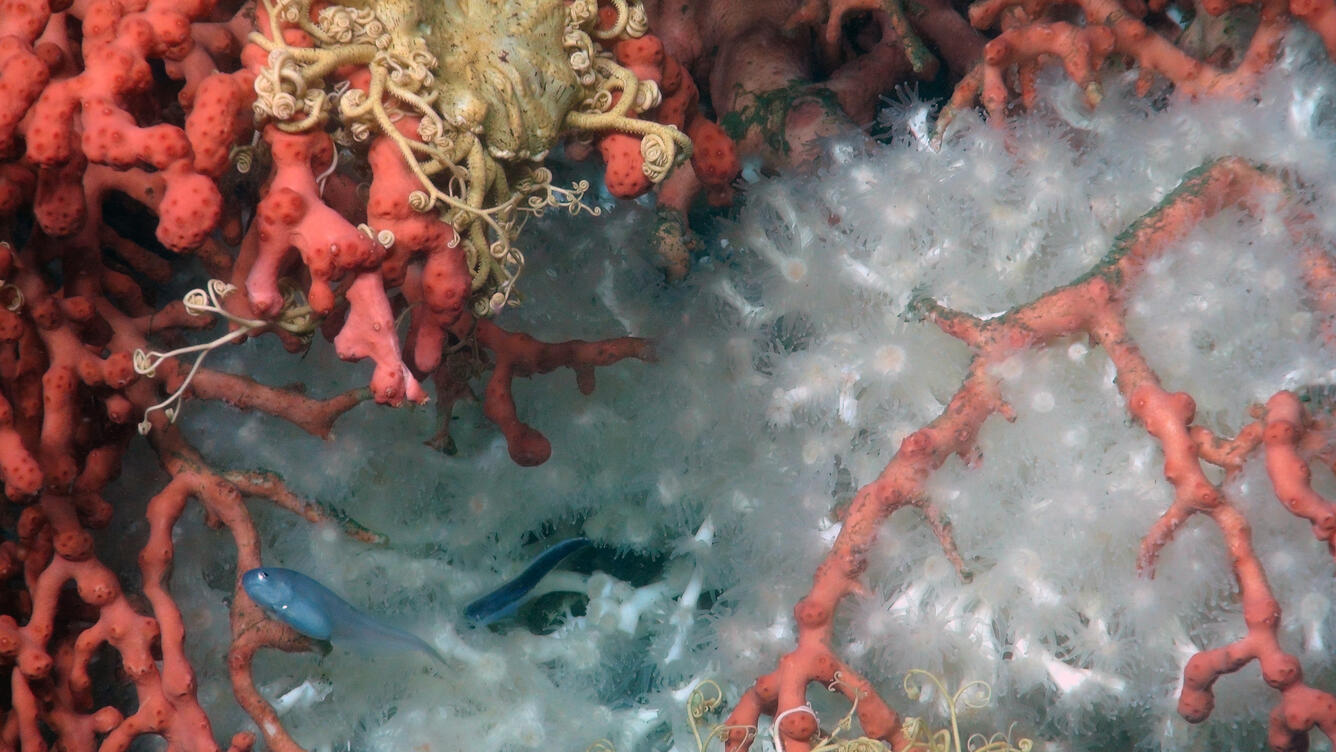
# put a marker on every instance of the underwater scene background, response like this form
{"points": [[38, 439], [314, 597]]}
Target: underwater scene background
{"points": [[790, 366], [648, 376]]}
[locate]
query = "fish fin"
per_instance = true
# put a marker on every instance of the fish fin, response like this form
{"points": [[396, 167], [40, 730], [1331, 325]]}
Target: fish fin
{"points": [[434, 653]]}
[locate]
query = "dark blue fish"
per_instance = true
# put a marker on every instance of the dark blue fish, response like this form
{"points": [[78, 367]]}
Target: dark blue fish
{"points": [[503, 601], [315, 611]]}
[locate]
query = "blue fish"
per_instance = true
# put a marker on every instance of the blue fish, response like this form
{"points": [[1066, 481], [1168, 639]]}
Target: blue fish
{"points": [[316, 612], [504, 601]]}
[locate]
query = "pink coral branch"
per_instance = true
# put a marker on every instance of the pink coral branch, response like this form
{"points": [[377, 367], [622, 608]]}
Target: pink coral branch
{"points": [[1114, 30], [1093, 306], [1288, 469], [519, 355]]}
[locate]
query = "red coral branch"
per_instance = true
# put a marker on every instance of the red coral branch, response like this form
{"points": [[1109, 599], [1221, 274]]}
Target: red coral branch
{"points": [[1301, 707], [222, 498], [1032, 36], [518, 355], [1095, 307], [86, 124]]}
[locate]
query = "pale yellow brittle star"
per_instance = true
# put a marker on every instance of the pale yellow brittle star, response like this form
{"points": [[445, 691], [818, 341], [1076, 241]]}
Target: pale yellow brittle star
{"points": [[492, 86]]}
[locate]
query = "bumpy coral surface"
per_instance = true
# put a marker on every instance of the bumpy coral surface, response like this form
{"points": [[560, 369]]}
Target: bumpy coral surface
{"points": [[472, 96], [451, 110], [120, 126]]}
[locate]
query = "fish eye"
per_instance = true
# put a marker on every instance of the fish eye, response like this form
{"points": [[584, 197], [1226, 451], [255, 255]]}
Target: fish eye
{"points": [[262, 576]]}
